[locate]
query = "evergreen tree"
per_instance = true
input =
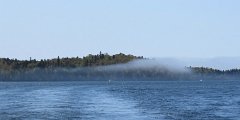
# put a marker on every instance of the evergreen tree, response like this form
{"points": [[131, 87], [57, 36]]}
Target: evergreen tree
{"points": [[58, 61]]}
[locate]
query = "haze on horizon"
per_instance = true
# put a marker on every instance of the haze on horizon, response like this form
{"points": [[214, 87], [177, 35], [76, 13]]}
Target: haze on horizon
{"points": [[157, 28]]}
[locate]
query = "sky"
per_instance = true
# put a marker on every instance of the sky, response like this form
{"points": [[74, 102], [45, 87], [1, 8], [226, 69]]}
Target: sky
{"points": [[150, 28]]}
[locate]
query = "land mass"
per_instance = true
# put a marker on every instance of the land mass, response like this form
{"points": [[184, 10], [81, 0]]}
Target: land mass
{"points": [[98, 67]]}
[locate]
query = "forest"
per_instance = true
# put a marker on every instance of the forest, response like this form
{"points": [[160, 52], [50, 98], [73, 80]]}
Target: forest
{"points": [[95, 67]]}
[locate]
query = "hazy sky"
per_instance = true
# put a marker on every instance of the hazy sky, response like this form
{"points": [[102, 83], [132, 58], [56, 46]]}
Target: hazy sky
{"points": [[152, 28]]}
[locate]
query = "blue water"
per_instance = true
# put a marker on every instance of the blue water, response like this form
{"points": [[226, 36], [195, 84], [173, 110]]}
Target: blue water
{"points": [[120, 100]]}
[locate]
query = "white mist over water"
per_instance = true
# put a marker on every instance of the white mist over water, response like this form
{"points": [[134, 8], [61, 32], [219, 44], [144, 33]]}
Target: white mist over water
{"points": [[180, 64], [166, 64], [176, 64], [172, 64]]}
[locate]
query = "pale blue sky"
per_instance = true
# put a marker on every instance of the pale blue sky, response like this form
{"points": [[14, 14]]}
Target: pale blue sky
{"points": [[152, 28]]}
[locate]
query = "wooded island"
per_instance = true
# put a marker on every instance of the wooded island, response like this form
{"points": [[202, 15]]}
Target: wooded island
{"points": [[92, 67]]}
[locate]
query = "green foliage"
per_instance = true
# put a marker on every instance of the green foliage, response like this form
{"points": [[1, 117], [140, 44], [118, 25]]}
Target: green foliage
{"points": [[85, 69], [13, 69], [9, 65]]}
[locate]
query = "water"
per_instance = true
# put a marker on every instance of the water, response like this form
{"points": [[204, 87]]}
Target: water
{"points": [[131, 100]]}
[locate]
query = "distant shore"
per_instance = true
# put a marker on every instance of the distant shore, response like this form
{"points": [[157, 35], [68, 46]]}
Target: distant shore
{"points": [[93, 67]]}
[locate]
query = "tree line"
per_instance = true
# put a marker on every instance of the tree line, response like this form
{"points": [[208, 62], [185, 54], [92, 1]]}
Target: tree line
{"points": [[74, 62], [86, 68]]}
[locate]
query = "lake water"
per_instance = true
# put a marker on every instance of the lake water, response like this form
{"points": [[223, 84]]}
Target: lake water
{"points": [[120, 100]]}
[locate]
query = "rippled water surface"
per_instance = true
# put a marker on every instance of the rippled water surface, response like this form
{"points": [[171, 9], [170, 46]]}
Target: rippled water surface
{"points": [[120, 100]]}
